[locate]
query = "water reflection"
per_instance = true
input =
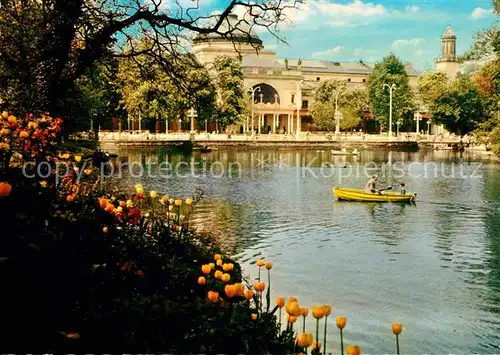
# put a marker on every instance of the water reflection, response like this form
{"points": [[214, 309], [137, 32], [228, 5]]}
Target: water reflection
{"points": [[434, 266]]}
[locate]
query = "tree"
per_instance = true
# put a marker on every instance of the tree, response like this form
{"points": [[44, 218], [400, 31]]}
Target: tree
{"points": [[229, 84], [46, 45], [485, 43], [459, 107], [325, 100], [431, 86], [390, 71], [355, 104]]}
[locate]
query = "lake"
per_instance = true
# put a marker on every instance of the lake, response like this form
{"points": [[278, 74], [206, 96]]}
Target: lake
{"points": [[434, 265]]}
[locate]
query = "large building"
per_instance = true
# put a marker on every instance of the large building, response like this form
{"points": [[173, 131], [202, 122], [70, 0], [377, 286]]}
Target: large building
{"points": [[283, 89], [448, 62]]}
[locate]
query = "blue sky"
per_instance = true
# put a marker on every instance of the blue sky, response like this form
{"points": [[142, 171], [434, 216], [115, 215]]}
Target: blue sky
{"points": [[350, 30]]}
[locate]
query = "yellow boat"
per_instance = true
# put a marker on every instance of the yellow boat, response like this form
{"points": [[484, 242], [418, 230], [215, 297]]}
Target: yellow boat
{"points": [[362, 196]]}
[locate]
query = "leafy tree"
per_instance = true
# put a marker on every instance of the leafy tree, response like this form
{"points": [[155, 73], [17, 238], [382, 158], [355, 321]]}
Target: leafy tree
{"points": [[485, 43], [229, 84], [431, 86], [47, 45], [459, 107], [390, 71], [355, 104], [325, 99]]}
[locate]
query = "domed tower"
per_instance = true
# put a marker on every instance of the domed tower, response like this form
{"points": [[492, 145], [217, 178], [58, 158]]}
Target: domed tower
{"points": [[242, 41], [448, 63]]}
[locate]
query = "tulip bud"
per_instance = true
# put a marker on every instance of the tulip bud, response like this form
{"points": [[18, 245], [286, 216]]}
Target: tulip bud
{"points": [[201, 280], [213, 296], [260, 263], [153, 194], [304, 311], [326, 309], [254, 316], [353, 350], [217, 256], [248, 294], [219, 262], [218, 274], [206, 269], [225, 277], [280, 302], [259, 286], [230, 290], [341, 322], [397, 328], [316, 346], [318, 312], [269, 265]]}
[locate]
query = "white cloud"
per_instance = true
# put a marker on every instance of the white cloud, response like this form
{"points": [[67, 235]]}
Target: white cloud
{"points": [[419, 53], [405, 43], [327, 53], [412, 8], [479, 12]]}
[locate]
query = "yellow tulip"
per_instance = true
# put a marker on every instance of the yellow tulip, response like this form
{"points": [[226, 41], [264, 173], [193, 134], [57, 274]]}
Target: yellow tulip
{"points": [[341, 322], [139, 190], [217, 256], [105, 230], [164, 198], [153, 194], [280, 302], [218, 274], [318, 312], [326, 310], [78, 158], [397, 328], [129, 204], [291, 319], [189, 201], [43, 183], [293, 309], [212, 266], [219, 262], [87, 171], [304, 311], [226, 267], [225, 277], [260, 263], [239, 289], [206, 269], [304, 340], [178, 203], [254, 316], [353, 350]]}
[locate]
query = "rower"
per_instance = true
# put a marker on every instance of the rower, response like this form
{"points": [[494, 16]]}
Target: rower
{"points": [[371, 184]]}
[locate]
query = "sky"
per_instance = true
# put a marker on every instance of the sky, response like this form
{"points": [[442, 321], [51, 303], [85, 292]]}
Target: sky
{"points": [[353, 30]]}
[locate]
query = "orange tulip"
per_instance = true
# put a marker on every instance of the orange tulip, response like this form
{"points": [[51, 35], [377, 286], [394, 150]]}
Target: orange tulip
{"points": [[206, 269], [318, 312], [5, 189], [326, 309], [225, 277], [12, 119], [218, 274], [123, 204], [293, 309], [304, 340], [341, 322], [280, 302], [248, 294], [291, 319], [269, 265], [103, 202], [239, 289], [219, 262], [178, 203], [260, 263], [212, 266], [109, 208], [259, 286], [213, 296], [316, 346], [217, 256], [4, 132], [353, 350], [304, 311], [70, 198], [254, 316], [24, 134], [201, 280], [105, 230], [226, 267], [230, 291], [292, 299], [397, 328]]}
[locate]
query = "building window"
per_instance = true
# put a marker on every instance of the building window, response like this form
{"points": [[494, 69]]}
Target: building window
{"points": [[293, 98], [317, 78], [349, 80], [305, 104]]}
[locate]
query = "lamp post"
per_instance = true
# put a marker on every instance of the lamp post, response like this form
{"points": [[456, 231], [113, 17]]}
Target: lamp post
{"points": [[337, 116], [257, 88], [180, 122], [417, 117], [429, 122], [275, 115], [391, 89], [192, 115], [261, 96], [206, 126]]}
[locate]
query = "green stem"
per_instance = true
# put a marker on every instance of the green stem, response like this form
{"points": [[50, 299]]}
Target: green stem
{"points": [[304, 325], [258, 279], [317, 331], [397, 344], [341, 342], [279, 321], [324, 336]]}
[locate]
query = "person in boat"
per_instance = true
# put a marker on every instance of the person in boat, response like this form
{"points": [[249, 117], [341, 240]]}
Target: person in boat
{"points": [[402, 188], [371, 185]]}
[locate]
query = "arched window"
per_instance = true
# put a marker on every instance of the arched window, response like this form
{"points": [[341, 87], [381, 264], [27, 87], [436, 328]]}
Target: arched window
{"points": [[269, 94]]}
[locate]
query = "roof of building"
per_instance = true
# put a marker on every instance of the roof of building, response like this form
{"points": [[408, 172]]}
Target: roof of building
{"points": [[315, 66], [448, 33], [233, 29]]}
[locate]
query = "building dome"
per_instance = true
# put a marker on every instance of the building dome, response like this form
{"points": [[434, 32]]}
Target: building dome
{"points": [[236, 32], [448, 33]]}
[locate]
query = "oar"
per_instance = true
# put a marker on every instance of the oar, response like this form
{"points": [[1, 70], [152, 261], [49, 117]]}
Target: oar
{"points": [[386, 189]]}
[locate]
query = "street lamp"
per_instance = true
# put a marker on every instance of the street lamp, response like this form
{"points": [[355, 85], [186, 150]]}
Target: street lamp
{"points": [[429, 121], [180, 121], [417, 117], [261, 95], [297, 131], [206, 126], [192, 115], [337, 116], [391, 89], [257, 88]]}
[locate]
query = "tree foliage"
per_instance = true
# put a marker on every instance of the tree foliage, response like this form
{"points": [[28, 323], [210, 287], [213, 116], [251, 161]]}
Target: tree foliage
{"points": [[355, 104], [459, 106], [431, 86], [323, 108], [485, 43], [47, 45], [230, 92], [390, 71]]}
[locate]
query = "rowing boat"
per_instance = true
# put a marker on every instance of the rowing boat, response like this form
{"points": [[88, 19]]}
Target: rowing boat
{"points": [[362, 196]]}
